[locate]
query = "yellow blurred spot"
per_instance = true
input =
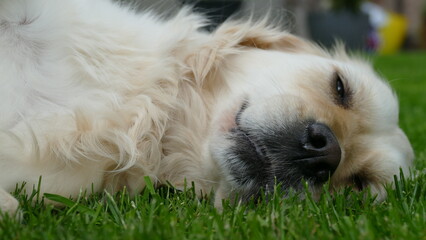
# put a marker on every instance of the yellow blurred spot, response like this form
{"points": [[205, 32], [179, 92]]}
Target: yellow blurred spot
{"points": [[392, 34]]}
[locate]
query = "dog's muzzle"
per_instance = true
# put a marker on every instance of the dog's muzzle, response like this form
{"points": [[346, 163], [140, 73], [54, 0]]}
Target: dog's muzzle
{"points": [[281, 153]]}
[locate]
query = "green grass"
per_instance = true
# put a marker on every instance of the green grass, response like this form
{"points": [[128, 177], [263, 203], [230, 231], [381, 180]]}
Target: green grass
{"points": [[166, 214]]}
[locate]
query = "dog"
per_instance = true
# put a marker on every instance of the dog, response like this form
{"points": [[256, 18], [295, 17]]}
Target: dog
{"points": [[97, 97]]}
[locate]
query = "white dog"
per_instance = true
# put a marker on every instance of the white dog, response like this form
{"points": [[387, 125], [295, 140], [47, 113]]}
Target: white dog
{"points": [[94, 96]]}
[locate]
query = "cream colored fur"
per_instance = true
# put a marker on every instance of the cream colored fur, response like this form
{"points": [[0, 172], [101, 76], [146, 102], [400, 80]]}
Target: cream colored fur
{"points": [[94, 96]]}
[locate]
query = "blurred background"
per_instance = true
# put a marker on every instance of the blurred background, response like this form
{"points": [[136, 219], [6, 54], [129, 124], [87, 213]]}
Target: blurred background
{"points": [[379, 26]]}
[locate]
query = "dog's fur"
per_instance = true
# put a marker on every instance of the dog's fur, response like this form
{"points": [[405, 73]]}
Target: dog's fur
{"points": [[94, 96]]}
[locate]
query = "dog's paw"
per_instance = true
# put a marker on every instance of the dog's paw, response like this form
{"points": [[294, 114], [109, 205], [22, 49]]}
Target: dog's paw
{"points": [[8, 205]]}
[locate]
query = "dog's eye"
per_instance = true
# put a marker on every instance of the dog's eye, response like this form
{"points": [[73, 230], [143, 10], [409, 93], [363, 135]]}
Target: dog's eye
{"points": [[341, 93], [340, 89], [358, 182]]}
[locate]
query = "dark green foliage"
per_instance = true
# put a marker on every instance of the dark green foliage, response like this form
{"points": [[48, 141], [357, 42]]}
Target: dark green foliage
{"points": [[351, 5]]}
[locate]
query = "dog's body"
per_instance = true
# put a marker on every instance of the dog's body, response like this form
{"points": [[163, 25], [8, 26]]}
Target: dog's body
{"points": [[96, 97]]}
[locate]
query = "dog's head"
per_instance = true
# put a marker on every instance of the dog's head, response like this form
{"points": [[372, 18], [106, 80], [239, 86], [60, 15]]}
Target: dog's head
{"points": [[288, 111]]}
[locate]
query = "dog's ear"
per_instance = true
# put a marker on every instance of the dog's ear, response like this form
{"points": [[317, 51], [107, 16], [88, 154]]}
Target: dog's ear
{"points": [[233, 37], [264, 36]]}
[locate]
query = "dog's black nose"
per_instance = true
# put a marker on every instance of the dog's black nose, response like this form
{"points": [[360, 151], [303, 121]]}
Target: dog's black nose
{"points": [[323, 151]]}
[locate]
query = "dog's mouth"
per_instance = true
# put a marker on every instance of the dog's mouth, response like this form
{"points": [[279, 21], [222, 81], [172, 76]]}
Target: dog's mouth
{"points": [[246, 135], [252, 141], [243, 107]]}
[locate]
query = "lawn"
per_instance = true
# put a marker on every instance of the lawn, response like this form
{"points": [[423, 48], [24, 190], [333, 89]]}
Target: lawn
{"points": [[165, 214]]}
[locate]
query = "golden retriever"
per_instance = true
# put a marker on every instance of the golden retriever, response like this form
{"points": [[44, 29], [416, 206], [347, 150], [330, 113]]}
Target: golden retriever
{"points": [[95, 96]]}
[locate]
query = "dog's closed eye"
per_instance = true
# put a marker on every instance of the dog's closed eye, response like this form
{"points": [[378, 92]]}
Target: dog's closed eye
{"points": [[358, 182]]}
